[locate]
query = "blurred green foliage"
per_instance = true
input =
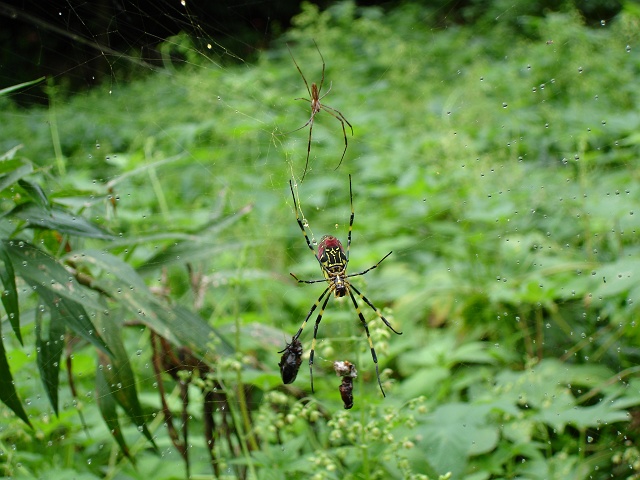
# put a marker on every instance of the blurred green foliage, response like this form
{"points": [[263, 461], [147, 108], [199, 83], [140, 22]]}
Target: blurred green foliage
{"points": [[500, 168]]}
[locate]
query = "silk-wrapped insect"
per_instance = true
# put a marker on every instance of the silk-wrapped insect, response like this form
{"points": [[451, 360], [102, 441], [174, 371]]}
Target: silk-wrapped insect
{"points": [[348, 372]]}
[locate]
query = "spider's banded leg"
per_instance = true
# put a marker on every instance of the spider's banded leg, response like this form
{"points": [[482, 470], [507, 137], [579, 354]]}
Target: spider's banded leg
{"points": [[368, 269], [350, 219], [368, 302], [315, 305], [315, 334], [304, 232], [366, 329], [307, 281]]}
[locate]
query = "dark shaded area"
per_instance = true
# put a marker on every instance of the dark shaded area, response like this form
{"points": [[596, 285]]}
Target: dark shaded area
{"points": [[80, 43]]}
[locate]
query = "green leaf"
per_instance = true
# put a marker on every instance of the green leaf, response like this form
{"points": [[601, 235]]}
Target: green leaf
{"points": [[13, 170], [57, 219], [57, 288], [107, 405], [49, 348], [176, 323], [455, 431], [119, 375], [36, 193], [10, 292], [605, 412], [8, 394]]}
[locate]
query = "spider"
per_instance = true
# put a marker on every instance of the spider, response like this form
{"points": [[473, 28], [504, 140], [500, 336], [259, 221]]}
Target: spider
{"points": [[333, 261], [316, 106]]}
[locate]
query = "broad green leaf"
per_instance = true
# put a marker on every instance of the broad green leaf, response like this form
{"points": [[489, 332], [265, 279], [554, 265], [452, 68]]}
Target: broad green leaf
{"points": [[107, 405], [58, 219], [119, 375], [606, 411], [32, 263], [49, 347], [13, 170], [455, 431], [72, 314], [8, 393], [58, 288], [125, 286], [10, 292]]}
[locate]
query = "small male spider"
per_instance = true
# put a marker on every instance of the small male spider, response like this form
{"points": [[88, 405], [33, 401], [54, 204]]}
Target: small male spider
{"points": [[333, 261], [314, 98]]}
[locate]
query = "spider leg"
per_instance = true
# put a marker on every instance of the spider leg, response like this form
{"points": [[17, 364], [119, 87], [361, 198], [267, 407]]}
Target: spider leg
{"points": [[338, 115], [341, 118], [350, 219], [368, 302], [325, 93], [307, 281], [370, 268], [315, 305], [315, 334], [306, 165], [304, 232], [366, 329], [322, 58], [300, 71], [299, 128]]}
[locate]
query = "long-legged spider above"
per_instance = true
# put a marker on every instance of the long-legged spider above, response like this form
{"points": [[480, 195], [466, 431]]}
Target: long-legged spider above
{"points": [[314, 99], [333, 261]]}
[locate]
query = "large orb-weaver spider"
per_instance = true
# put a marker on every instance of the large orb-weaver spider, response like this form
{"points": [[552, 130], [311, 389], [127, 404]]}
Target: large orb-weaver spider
{"points": [[314, 99], [333, 261]]}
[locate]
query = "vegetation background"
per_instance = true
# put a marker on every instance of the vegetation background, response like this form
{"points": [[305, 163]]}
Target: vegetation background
{"points": [[494, 152]]}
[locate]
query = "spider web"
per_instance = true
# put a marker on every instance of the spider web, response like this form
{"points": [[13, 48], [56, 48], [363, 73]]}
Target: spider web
{"points": [[211, 148]]}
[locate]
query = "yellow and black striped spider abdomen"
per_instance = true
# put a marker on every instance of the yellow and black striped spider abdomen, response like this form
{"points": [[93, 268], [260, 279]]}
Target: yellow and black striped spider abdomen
{"points": [[333, 261]]}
